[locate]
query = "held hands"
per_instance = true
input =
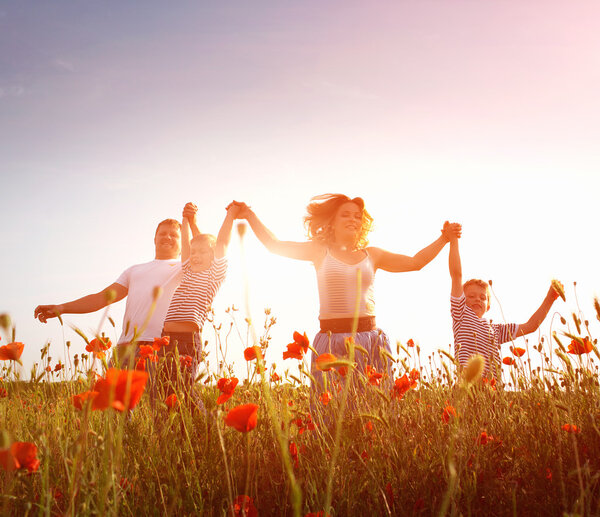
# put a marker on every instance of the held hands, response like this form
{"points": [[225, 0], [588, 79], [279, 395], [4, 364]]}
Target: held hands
{"points": [[190, 210], [240, 209], [45, 312], [451, 231]]}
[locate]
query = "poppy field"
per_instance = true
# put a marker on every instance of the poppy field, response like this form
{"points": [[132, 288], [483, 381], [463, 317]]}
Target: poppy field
{"points": [[81, 438]]}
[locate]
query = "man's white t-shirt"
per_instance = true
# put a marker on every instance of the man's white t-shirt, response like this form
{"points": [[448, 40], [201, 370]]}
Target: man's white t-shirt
{"points": [[141, 280]]}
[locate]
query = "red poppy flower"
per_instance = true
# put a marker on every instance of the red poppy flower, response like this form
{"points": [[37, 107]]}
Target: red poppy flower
{"points": [[171, 401], [410, 342], [48, 368], [580, 346], [517, 351], [185, 361], [508, 361], [97, 346], [79, 400], [11, 352], [323, 362], [325, 397], [244, 506], [548, 473], [403, 384], [3, 393], [140, 365], [20, 455], [252, 352], [373, 375], [448, 413], [484, 438], [243, 418], [159, 342], [148, 352], [119, 389], [369, 426], [571, 428], [294, 351], [302, 340], [58, 367], [226, 386], [275, 377], [294, 453], [389, 494]]}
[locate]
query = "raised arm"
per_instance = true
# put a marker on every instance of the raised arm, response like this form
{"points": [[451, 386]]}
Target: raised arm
{"points": [[297, 250], [90, 303], [224, 235], [396, 263], [538, 316], [455, 267]]}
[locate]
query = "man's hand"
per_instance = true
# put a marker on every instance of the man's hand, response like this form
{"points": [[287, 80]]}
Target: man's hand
{"points": [[45, 312], [451, 231], [190, 210]]}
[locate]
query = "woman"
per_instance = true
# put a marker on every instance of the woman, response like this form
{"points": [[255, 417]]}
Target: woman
{"points": [[337, 228]]}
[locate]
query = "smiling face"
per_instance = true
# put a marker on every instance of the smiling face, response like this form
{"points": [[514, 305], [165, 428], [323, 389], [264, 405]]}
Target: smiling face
{"points": [[347, 223], [477, 299], [167, 241], [201, 255]]}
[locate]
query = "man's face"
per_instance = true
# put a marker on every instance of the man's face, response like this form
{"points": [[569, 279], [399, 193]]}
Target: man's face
{"points": [[167, 242], [476, 298]]}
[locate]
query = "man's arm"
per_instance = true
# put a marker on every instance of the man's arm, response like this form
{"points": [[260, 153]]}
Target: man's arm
{"points": [[224, 235], [396, 263], [538, 316], [90, 303]]}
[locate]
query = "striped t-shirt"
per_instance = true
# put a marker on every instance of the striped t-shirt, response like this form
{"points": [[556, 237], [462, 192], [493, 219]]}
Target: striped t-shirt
{"points": [[473, 335], [193, 297]]}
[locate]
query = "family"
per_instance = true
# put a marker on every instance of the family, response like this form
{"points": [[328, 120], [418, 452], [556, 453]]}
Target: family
{"points": [[170, 297]]}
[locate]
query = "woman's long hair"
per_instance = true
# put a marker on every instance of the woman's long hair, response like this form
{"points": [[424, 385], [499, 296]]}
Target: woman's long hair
{"points": [[320, 215]]}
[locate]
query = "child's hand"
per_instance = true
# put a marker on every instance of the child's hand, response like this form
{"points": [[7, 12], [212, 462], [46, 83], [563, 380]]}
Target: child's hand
{"points": [[190, 210], [451, 231], [556, 290], [242, 209]]}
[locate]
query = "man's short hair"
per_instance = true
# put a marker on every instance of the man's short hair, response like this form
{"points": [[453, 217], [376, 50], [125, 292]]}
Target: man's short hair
{"points": [[206, 239], [170, 222]]}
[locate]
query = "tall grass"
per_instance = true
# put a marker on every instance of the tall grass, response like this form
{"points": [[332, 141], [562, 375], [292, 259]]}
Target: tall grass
{"points": [[507, 450]]}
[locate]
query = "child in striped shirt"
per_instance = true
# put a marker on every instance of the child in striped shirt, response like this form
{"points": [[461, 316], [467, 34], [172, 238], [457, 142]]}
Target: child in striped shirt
{"points": [[204, 266], [473, 334]]}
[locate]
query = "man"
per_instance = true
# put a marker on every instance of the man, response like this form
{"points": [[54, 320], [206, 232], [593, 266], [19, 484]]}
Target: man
{"points": [[145, 285]]}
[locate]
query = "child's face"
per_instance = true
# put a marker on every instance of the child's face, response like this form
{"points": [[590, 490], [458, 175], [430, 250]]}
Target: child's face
{"points": [[477, 300], [201, 256]]}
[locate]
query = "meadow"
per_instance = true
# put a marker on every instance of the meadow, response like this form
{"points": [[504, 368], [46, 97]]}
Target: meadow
{"points": [[78, 438]]}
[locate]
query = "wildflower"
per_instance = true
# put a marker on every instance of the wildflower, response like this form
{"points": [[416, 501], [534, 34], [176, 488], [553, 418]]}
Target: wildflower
{"points": [[171, 401], [148, 352], [484, 438], [79, 400], [298, 348], [548, 473], [252, 352], [325, 397], [11, 352], [389, 494], [410, 342], [373, 376], [244, 506], [185, 361], [517, 351], [571, 428], [294, 453], [448, 413], [48, 368], [323, 362], [508, 361], [119, 389], [304, 425], [226, 386], [275, 377], [364, 455], [20, 455], [580, 346], [242, 418], [141, 364], [159, 342], [3, 393], [404, 383], [97, 346], [369, 426], [58, 367]]}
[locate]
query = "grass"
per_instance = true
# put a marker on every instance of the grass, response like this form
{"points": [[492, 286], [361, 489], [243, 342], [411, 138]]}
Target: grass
{"points": [[366, 451]]}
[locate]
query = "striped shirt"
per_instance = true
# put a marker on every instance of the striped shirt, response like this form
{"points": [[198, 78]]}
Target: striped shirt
{"points": [[473, 335], [193, 297], [337, 283]]}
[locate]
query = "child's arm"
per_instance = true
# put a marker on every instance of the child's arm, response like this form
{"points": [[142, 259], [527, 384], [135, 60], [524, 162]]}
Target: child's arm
{"points": [[455, 267], [538, 316], [188, 224], [297, 250], [396, 263], [224, 235]]}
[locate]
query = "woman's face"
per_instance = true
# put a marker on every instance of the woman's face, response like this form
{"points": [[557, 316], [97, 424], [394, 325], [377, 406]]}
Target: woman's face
{"points": [[347, 223]]}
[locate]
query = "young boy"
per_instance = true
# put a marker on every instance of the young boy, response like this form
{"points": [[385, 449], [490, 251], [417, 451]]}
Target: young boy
{"points": [[203, 267], [473, 334]]}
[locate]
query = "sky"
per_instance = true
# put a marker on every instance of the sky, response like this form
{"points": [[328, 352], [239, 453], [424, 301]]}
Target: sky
{"points": [[114, 115]]}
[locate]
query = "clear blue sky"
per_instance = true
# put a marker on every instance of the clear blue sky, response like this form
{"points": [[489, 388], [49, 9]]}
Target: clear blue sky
{"points": [[113, 115]]}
